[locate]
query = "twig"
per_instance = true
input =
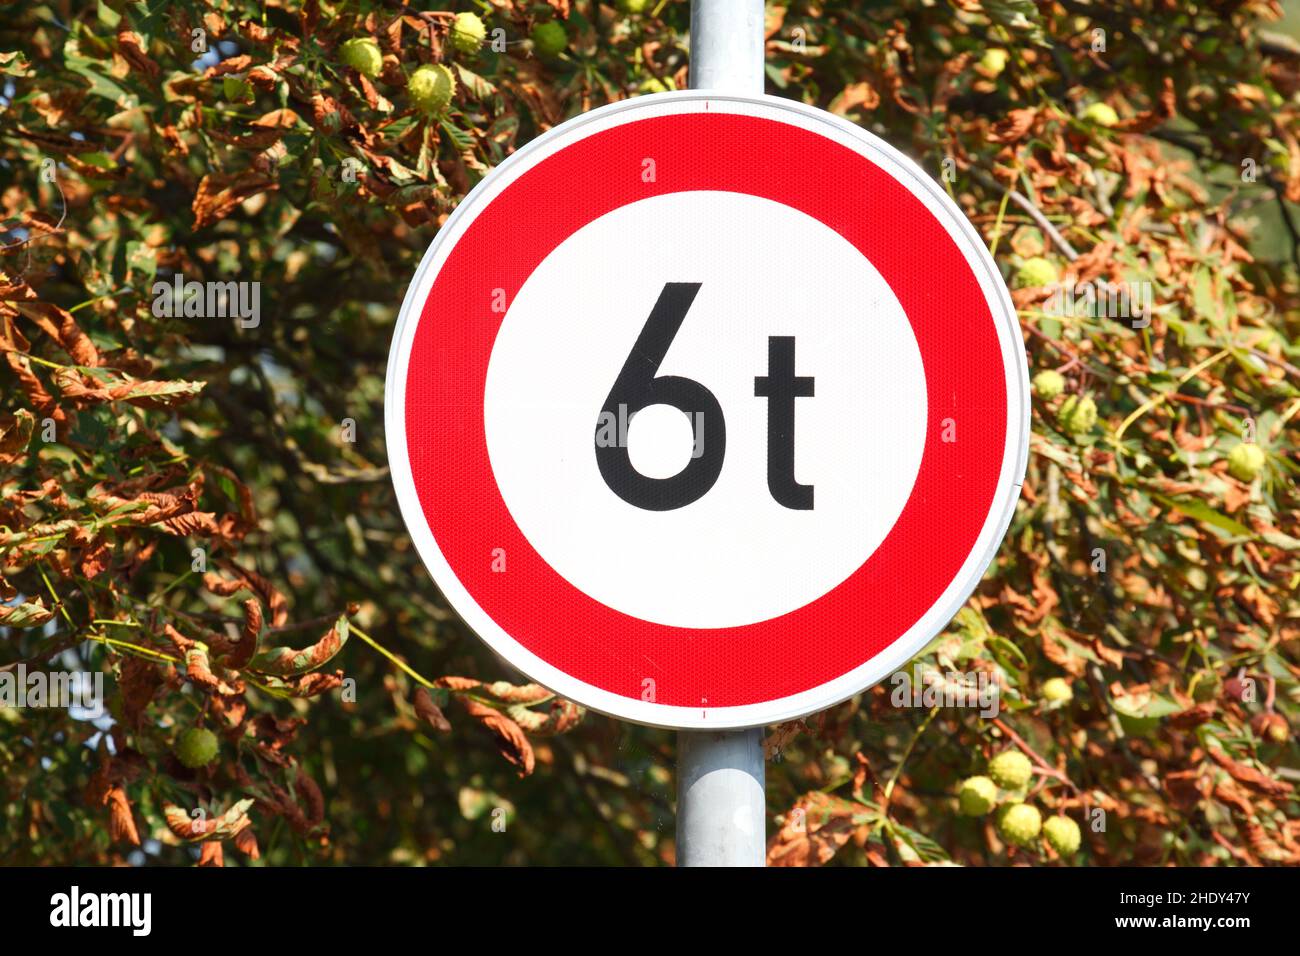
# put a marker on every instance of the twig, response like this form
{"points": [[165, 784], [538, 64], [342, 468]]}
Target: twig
{"points": [[1179, 397], [1072, 356], [1286, 366], [1044, 768], [1157, 400], [1025, 203], [893, 779], [401, 664]]}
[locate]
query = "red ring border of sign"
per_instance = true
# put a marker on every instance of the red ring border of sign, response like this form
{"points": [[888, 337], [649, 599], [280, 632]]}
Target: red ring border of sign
{"points": [[449, 485]]}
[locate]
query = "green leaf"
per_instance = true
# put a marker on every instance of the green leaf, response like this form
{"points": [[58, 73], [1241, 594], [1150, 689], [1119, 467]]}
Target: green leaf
{"points": [[1204, 513], [1141, 715], [1020, 16], [141, 260], [90, 69], [1280, 540], [107, 15], [458, 136], [478, 87]]}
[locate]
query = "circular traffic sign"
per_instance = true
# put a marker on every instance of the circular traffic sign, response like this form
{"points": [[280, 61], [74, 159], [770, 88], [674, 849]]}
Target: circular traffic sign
{"points": [[707, 410]]}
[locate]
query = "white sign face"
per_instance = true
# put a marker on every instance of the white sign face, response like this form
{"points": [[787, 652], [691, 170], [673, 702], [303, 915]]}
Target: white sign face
{"points": [[704, 565], [707, 411]]}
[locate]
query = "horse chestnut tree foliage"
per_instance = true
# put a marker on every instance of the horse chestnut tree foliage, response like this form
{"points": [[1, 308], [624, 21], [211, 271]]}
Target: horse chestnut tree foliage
{"points": [[196, 506]]}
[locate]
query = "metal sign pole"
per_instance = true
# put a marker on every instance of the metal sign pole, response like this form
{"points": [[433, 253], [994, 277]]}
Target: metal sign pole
{"points": [[720, 804], [727, 45], [721, 810]]}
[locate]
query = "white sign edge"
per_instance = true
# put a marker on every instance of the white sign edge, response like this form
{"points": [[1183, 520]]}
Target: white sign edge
{"points": [[867, 675]]}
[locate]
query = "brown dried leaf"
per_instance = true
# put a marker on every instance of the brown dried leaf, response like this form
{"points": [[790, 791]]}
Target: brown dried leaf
{"points": [[222, 586], [219, 194], [236, 64], [141, 392], [247, 646], [194, 524], [458, 683], [210, 855], [308, 685], [1250, 776], [509, 693], [1194, 716], [856, 96], [198, 827], [428, 711], [246, 843], [511, 741], [131, 45], [15, 435], [310, 798], [63, 328], [781, 735], [1014, 126], [139, 680], [26, 614], [814, 830], [277, 119], [291, 662], [199, 669], [121, 824]]}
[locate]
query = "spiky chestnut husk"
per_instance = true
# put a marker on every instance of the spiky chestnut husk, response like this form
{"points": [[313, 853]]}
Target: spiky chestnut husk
{"points": [[431, 88], [1019, 823], [1049, 383], [976, 796], [467, 33], [1036, 271], [1246, 461], [1010, 770], [196, 747], [1103, 114], [549, 39], [1078, 415], [994, 61], [1057, 690], [363, 55], [1062, 835]]}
